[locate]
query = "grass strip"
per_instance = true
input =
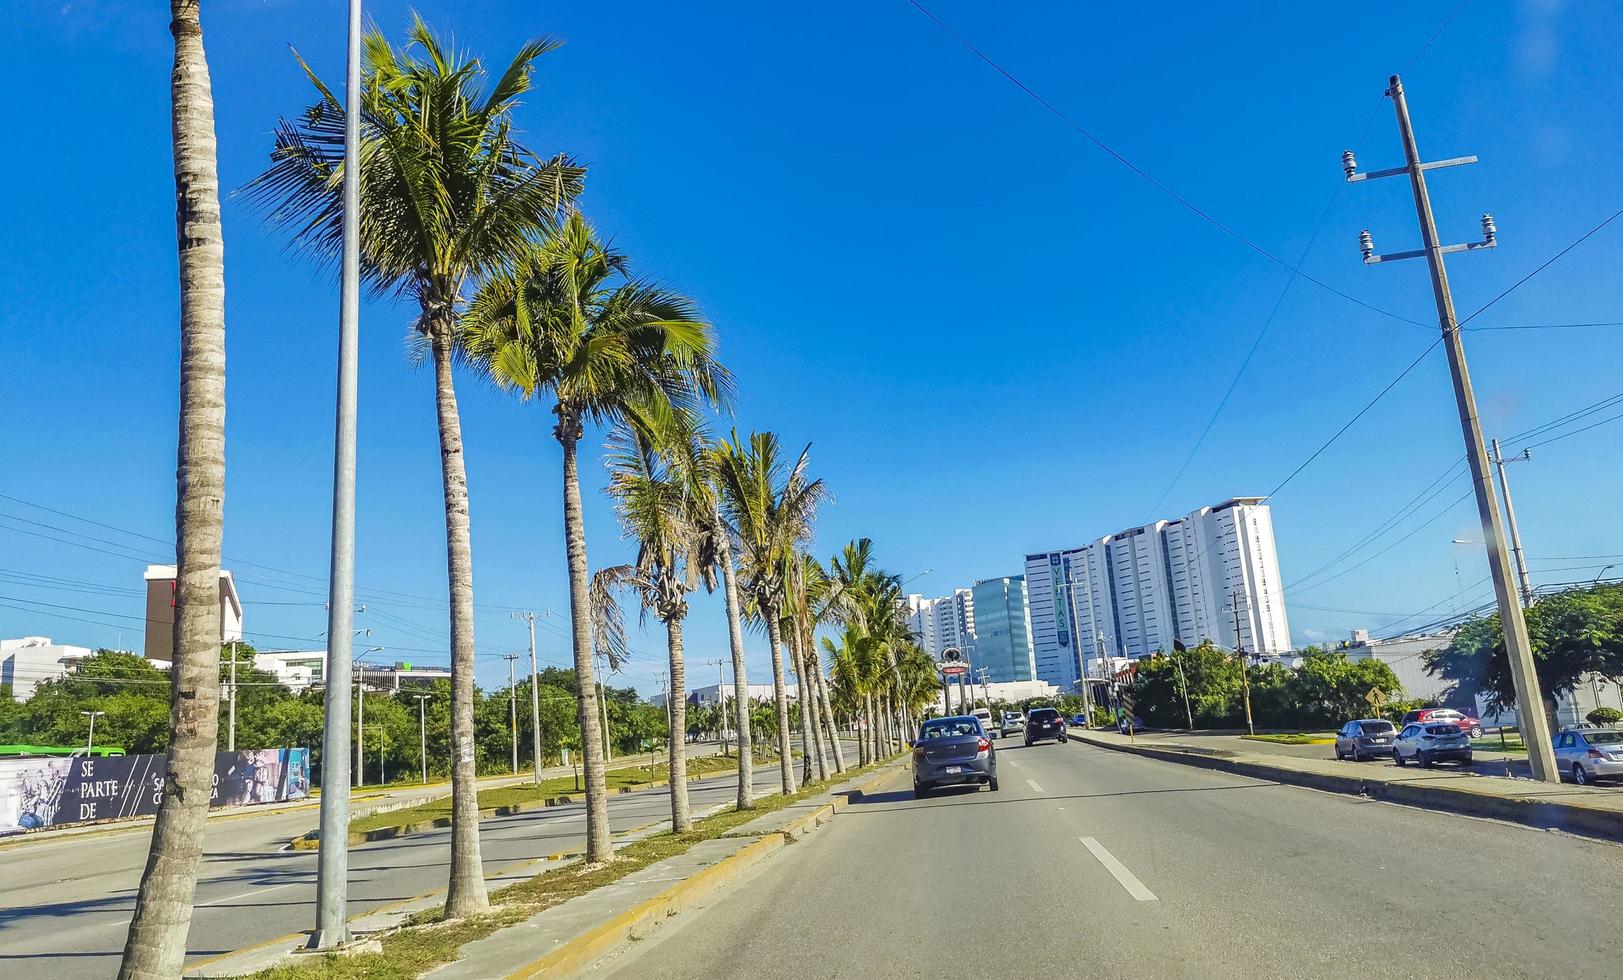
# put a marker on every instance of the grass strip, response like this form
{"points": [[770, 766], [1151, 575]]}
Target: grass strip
{"points": [[426, 941], [1295, 738], [626, 777]]}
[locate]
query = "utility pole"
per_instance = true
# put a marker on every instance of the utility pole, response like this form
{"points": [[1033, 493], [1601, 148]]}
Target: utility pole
{"points": [[535, 697], [721, 702], [1183, 682], [603, 710], [1245, 671], [422, 730], [1499, 461], [90, 740], [512, 705], [231, 730], [1534, 725], [1081, 661], [360, 725], [332, 875]]}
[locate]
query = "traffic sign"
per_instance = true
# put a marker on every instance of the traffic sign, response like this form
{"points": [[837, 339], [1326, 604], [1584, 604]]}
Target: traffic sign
{"points": [[1376, 697]]}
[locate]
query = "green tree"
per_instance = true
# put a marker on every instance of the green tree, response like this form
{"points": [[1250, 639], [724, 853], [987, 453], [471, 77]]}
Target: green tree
{"points": [[564, 318], [1573, 633], [448, 195]]}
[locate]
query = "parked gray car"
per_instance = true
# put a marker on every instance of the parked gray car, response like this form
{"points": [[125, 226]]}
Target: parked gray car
{"points": [[1426, 744], [953, 752], [1588, 755], [1366, 738]]}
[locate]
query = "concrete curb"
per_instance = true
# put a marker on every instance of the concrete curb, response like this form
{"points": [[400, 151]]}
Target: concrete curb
{"points": [[577, 955], [1524, 807]]}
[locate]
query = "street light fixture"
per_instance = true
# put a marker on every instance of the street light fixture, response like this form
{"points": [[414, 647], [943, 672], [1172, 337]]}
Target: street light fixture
{"points": [[422, 729], [90, 740]]}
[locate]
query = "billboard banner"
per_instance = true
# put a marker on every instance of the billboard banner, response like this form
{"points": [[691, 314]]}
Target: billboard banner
{"points": [[51, 792]]}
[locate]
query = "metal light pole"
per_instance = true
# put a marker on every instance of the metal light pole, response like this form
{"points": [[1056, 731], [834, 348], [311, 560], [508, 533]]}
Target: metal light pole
{"points": [[231, 730], [1498, 459], [90, 740], [512, 705], [1534, 725], [535, 697], [721, 702], [332, 876], [1245, 670], [360, 712], [1081, 661], [422, 730]]}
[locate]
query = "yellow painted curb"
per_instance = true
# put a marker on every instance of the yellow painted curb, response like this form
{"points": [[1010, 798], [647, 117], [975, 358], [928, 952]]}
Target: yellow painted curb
{"points": [[576, 955]]}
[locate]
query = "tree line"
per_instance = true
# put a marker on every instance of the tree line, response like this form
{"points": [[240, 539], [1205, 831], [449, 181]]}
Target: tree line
{"points": [[507, 283]]}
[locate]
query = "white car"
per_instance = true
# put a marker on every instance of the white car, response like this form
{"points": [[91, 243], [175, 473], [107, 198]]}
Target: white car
{"points": [[985, 717], [1014, 723]]}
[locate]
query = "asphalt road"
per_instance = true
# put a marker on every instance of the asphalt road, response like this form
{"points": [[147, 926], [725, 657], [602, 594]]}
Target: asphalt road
{"points": [[65, 905], [1090, 862]]}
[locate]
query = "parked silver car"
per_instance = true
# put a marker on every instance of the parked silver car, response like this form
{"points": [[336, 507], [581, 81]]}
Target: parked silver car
{"points": [[1588, 755], [1366, 738], [1429, 743], [1014, 723], [953, 751]]}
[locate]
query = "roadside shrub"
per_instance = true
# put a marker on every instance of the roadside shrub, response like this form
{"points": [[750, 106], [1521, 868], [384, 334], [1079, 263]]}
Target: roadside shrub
{"points": [[1605, 716]]}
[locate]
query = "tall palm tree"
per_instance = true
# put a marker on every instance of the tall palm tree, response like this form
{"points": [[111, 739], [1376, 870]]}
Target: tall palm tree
{"points": [[156, 945], [662, 504], [565, 319], [824, 607], [708, 463], [796, 614], [771, 508], [447, 196]]}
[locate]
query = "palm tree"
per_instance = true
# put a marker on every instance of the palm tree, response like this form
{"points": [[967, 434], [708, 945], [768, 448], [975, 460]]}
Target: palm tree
{"points": [[566, 319], [796, 613], [735, 628], [156, 945], [824, 606], [662, 505], [771, 508], [447, 196]]}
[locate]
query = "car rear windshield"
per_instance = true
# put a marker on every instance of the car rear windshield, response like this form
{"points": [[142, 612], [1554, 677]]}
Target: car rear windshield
{"points": [[1043, 714], [1443, 729], [1604, 738], [948, 727], [1375, 727]]}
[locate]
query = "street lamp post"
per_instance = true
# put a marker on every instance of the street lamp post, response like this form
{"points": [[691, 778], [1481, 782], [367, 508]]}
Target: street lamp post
{"points": [[90, 740], [422, 730]]}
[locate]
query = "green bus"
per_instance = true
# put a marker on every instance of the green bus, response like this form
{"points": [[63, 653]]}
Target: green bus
{"points": [[57, 751]]}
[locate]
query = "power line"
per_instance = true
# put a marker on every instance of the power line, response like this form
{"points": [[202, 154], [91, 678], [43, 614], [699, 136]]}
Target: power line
{"points": [[1545, 265], [1547, 326], [1564, 435], [1146, 176], [1412, 532]]}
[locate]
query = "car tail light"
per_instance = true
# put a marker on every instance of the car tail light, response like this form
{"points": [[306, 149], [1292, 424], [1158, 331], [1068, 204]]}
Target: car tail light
{"points": [[918, 753], [983, 745], [1595, 754], [1429, 738]]}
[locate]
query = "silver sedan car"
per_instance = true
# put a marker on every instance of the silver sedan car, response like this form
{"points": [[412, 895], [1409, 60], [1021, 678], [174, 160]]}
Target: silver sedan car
{"points": [[1588, 755], [953, 752]]}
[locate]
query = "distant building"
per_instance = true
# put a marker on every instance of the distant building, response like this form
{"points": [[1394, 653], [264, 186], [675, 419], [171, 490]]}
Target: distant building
{"points": [[710, 693], [1003, 630], [27, 662], [160, 639], [297, 670], [946, 621], [1140, 590], [1403, 656]]}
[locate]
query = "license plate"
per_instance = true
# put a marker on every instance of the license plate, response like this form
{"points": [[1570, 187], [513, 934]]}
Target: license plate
{"points": [[1382, 741], [954, 770]]}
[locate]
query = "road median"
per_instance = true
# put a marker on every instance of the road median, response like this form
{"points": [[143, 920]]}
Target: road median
{"points": [[1574, 809]]}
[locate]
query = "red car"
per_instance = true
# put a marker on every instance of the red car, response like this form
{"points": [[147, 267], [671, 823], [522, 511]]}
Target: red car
{"points": [[1447, 716]]}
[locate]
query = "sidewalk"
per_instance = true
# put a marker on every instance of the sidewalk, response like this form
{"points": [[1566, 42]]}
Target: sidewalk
{"points": [[1580, 810]]}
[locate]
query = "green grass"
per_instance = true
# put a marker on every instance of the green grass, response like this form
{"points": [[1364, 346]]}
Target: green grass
{"points": [[1296, 738], [427, 941], [625, 777], [1490, 743]]}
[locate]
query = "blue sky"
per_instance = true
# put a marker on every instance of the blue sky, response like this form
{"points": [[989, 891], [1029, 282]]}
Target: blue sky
{"points": [[997, 338]]}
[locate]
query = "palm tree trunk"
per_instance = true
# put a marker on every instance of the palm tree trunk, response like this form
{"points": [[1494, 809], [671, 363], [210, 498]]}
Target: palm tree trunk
{"points": [[786, 766], [599, 846], [870, 733], [156, 945], [793, 642], [828, 718], [681, 820], [811, 726], [741, 704], [466, 893], [812, 671]]}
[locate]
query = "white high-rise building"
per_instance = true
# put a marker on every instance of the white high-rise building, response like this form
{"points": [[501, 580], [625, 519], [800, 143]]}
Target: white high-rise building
{"points": [[942, 622], [1136, 592]]}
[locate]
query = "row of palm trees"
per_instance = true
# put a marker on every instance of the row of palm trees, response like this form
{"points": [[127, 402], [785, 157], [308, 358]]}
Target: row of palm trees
{"points": [[511, 282]]}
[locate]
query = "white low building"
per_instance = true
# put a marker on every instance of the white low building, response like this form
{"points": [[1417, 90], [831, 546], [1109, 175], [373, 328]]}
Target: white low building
{"points": [[297, 670], [710, 694], [29, 661]]}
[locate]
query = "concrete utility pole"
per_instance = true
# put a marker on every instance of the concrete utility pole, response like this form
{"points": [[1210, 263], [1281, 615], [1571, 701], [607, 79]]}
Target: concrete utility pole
{"points": [[422, 730], [231, 731], [1499, 461], [535, 697], [1535, 727], [332, 875], [1081, 660], [1245, 670], [512, 705]]}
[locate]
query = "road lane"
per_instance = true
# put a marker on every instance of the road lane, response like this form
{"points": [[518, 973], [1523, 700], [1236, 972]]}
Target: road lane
{"points": [[1249, 878], [74, 925]]}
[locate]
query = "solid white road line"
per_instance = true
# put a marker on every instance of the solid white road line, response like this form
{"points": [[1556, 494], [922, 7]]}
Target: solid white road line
{"points": [[1127, 879], [1034, 787], [250, 894]]}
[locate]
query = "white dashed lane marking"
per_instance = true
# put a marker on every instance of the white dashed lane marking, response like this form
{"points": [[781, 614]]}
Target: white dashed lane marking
{"points": [[1034, 787], [1119, 871]]}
